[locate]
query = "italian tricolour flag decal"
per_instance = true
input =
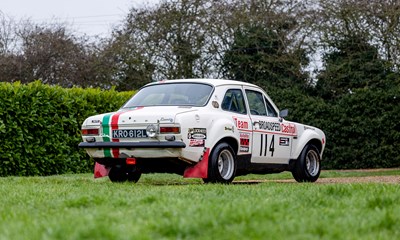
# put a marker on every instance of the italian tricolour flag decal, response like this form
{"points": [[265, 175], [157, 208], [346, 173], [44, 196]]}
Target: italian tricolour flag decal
{"points": [[110, 123]]}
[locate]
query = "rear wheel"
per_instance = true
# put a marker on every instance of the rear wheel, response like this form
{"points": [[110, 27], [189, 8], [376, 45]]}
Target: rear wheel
{"points": [[118, 174], [123, 173], [222, 164], [308, 165], [134, 175]]}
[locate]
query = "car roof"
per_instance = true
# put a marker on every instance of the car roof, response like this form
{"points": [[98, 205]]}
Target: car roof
{"points": [[213, 82]]}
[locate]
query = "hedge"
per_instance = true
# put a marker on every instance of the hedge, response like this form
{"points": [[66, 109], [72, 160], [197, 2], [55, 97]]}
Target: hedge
{"points": [[40, 126], [362, 128]]}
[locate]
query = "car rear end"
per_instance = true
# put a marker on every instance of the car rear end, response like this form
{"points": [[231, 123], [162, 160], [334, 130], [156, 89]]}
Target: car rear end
{"points": [[144, 131], [137, 132]]}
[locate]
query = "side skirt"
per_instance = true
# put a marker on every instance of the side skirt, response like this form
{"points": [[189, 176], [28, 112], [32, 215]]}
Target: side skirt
{"points": [[245, 166]]}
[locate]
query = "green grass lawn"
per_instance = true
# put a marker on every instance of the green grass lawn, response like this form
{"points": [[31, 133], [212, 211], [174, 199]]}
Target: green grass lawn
{"points": [[165, 206]]}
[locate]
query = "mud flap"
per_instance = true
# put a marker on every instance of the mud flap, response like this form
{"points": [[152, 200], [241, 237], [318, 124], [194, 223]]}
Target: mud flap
{"points": [[100, 170], [200, 170]]}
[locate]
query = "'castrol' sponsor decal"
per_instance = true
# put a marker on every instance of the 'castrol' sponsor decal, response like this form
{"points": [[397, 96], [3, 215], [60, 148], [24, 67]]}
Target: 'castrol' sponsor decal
{"points": [[289, 128]]}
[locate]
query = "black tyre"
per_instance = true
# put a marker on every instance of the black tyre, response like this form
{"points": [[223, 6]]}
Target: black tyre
{"points": [[308, 165], [134, 175], [118, 174], [221, 164]]}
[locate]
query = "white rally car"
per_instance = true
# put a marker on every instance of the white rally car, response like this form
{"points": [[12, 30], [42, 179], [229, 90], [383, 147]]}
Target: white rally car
{"points": [[205, 128]]}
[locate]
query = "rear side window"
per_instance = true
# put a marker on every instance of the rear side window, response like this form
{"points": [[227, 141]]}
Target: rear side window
{"points": [[234, 101]]}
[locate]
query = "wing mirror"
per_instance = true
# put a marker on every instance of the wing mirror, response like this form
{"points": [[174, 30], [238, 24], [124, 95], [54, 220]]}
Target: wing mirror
{"points": [[282, 114]]}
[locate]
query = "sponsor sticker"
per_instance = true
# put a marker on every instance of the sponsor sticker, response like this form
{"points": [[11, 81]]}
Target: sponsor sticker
{"points": [[197, 143], [286, 128], [289, 128], [270, 126], [244, 149], [197, 133], [229, 128], [284, 141], [244, 142]]}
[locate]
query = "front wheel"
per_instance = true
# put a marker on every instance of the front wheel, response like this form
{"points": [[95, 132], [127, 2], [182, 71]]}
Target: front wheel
{"points": [[308, 165], [222, 164]]}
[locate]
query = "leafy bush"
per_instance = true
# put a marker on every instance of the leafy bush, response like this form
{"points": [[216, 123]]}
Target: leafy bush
{"points": [[40, 127], [362, 129], [365, 132]]}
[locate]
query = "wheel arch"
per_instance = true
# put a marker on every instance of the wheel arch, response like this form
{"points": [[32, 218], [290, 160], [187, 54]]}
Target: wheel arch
{"points": [[223, 129], [231, 141], [308, 137], [317, 143]]}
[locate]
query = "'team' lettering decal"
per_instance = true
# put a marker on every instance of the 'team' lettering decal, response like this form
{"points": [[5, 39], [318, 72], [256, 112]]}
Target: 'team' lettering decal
{"points": [[241, 124]]}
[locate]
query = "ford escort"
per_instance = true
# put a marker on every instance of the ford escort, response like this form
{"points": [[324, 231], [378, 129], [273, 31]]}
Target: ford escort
{"points": [[212, 129]]}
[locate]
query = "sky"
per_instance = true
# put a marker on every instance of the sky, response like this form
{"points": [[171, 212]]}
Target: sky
{"points": [[90, 17]]}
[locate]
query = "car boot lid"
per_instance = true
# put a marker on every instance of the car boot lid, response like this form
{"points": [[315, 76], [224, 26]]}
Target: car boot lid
{"points": [[140, 115]]}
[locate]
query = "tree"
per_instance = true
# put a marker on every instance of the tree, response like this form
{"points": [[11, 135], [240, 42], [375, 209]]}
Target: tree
{"points": [[383, 18], [52, 54], [268, 44], [172, 40], [358, 42], [10, 62], [131, 67], [8, 37], [258, 56], [353, 64], [376, 21]]}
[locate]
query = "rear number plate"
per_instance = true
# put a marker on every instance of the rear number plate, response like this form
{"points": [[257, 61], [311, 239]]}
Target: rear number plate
{"points": [[129, 133]]}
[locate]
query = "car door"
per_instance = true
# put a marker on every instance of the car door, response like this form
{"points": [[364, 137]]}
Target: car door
{"points": [[234, 104], [270, 144]]}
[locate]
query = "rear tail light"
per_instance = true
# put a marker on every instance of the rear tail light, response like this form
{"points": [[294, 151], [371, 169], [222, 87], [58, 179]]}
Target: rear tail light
{"points": [[90, 132], [174, 130]]}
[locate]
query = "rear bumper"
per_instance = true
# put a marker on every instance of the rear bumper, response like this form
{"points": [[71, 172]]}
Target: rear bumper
{"points": [[128, 145]]}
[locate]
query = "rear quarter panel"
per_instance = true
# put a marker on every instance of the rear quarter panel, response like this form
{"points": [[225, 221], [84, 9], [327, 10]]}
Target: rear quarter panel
{"points": [[203, 129]]}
